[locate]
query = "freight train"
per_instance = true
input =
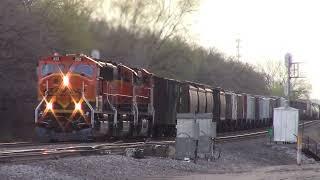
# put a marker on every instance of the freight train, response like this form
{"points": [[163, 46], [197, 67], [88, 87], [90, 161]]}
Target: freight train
{"points": [[86, 98]]}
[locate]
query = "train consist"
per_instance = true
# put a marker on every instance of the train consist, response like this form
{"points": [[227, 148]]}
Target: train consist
{"points": [[88, 98]]}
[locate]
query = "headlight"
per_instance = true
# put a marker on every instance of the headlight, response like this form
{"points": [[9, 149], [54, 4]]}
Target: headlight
{"points": [[77, 107], [49, 106], [65, 81]]}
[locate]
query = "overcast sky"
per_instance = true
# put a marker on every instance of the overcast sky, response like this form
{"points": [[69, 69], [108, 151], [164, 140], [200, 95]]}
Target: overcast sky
{"points": [[268, 29]]}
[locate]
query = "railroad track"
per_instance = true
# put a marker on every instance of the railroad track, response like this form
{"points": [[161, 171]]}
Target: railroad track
{"points": [[29, 144], [240, 136], [56, 153], [100, 149], [15, 144]]}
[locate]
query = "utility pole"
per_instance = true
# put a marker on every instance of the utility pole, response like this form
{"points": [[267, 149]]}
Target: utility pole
{"points": [[238, 48]]}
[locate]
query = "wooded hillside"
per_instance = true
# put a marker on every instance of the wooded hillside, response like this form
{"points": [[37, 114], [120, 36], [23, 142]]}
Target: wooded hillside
{"points": [[146, 34]]}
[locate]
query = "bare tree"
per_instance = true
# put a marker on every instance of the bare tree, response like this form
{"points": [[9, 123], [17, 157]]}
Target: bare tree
{"points": [[160, 20], [275, 74]]}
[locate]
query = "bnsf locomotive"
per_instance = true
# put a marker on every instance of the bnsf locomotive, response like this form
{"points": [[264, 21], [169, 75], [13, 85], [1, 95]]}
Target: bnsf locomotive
{"points": [[81, 97]]}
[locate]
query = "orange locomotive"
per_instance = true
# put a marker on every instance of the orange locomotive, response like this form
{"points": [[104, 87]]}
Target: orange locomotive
{"points": [[80, 97]]}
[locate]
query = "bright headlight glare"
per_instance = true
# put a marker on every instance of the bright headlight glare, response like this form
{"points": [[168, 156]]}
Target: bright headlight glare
{"points": [[65, 80], [77, 106], [49, 106]]}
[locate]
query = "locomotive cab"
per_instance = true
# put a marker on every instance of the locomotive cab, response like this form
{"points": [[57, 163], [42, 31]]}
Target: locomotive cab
{"points": [[87, 98], [66, 95]]}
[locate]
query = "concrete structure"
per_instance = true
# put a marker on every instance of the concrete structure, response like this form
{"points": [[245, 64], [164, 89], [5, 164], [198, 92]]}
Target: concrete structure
{"points": [[194, 134]]}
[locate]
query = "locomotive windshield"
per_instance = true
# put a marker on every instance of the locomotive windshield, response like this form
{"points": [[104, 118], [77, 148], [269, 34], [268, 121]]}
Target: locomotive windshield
{"points": [[82, 69], [51, 68]]}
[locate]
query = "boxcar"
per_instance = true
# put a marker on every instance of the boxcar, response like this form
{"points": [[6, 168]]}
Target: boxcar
{"points": [[166, 98], [240, 112], [302, 106], [309, 110], [258, 117], [234, 110], [209, 101], [234, 101], [265, 110], [202, 100], [315, 111], [250, 111], [229, 117], [219, 110], [188, 99]]}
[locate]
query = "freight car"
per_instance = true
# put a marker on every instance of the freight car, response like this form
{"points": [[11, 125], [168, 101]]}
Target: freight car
{"points": [[81, 97]]}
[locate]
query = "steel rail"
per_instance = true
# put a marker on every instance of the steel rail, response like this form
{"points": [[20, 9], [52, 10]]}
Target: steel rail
{"points": [[54, 153], [254, 134]]}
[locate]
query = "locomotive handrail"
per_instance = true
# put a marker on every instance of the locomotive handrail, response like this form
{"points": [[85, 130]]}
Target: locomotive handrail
{"points": [[88, 104], [115, 117], [135, 107], [125, 95], [43, 99], [116, 95], [37, 109]]}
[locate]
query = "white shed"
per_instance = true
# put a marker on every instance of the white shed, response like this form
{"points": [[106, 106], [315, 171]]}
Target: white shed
{"points": [[285, 124]]}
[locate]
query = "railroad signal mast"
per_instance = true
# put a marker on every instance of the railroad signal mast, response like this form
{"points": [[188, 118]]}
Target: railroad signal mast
{"points": [[293, 72]]}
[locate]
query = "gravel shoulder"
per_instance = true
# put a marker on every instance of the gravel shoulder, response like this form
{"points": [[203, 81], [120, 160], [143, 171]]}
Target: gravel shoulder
{"points": [[284, 172], [246, 159], [242, 157]]}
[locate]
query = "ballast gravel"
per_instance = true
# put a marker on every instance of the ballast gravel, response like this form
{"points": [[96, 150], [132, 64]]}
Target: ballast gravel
{"points": [[236, 157]]}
